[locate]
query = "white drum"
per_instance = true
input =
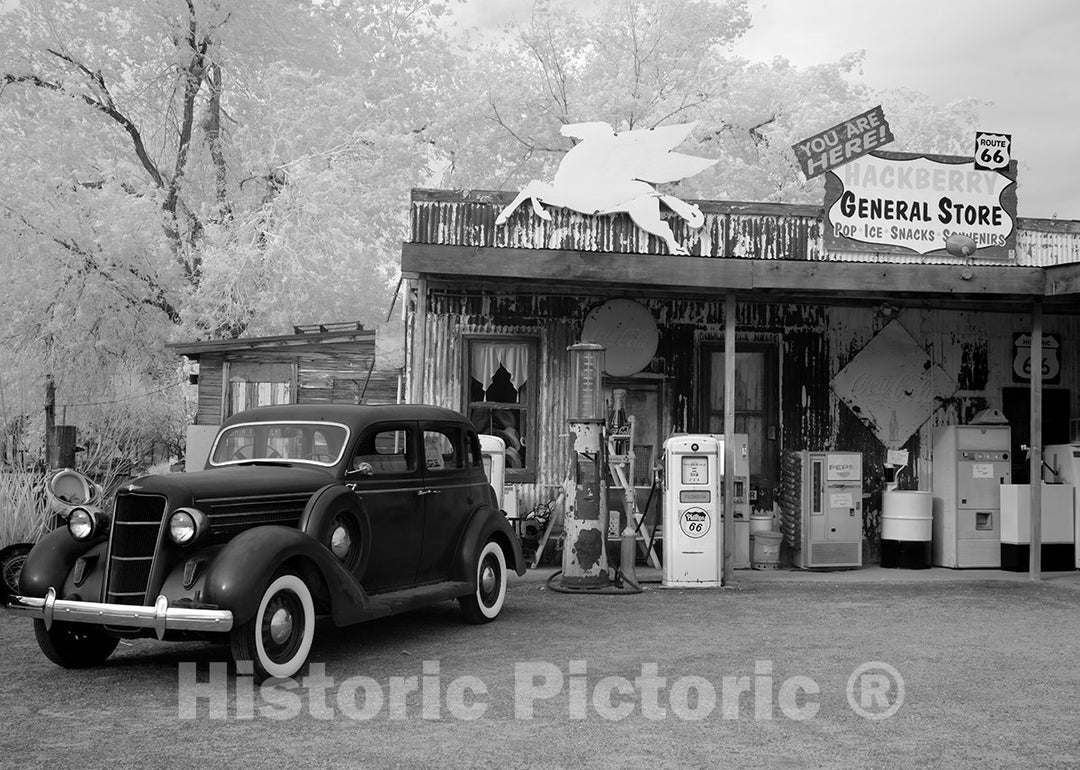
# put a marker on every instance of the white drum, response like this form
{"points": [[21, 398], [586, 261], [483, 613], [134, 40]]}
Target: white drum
{"points": [[907, 515]]}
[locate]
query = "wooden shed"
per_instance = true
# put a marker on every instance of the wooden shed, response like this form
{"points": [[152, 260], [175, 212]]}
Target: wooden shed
{"points": [[326, 363]]}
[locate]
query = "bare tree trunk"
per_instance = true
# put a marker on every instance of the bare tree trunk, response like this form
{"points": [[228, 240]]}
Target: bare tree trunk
{"points": [[51, 449]]}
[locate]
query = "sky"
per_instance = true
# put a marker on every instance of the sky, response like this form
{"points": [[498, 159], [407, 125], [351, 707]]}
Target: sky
{"points": [[1023, 57]]}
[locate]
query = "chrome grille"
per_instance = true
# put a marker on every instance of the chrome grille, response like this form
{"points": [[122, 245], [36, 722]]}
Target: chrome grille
{"points": [[230, 517], [135, 529]]}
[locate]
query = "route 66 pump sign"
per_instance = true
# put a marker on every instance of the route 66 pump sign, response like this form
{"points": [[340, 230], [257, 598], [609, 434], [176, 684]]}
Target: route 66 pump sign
{"points": [[1051, 363]]}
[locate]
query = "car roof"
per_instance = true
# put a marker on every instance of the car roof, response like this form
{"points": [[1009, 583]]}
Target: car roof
{"points": [[353, 415]]}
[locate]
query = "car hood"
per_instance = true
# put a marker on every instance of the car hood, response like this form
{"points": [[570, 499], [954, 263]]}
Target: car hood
{"points": [[233, 481]]}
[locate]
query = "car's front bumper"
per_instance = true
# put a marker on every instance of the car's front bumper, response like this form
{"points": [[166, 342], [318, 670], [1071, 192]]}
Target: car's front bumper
{"points": [[161, 617]]}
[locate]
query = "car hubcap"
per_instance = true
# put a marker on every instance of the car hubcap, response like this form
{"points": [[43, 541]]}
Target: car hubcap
{"points": [[489, 581], [281, 624], [340, 542]]}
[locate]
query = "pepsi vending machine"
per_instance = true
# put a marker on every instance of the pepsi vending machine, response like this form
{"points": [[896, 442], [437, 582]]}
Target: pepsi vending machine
{"points": [[830, 497]]}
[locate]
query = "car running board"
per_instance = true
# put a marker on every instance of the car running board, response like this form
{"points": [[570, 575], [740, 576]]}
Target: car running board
{"points": [[396, 602]]}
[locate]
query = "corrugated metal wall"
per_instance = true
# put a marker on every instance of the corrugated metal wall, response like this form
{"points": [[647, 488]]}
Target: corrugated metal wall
{"points": [[730, 230], [815, 342]]}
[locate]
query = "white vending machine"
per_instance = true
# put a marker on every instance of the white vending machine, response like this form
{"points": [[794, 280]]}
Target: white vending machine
{"points": [[970, 464], [493, 453], [1061, 465], [829, 495], [693, 527]]}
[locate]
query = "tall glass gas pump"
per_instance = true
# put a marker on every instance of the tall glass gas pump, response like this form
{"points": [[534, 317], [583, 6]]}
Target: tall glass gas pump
{"points": [[585, 562]]}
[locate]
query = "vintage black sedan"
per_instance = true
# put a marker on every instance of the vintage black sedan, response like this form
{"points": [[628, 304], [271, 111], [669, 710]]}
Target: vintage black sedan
{"points": [[355, 512]]}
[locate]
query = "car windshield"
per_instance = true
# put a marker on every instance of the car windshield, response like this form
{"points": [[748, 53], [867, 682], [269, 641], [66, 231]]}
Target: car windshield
{"points": [[319, 443]]}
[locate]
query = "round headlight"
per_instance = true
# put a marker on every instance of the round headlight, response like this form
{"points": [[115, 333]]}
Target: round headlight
{"points": [[187, 525], [182, 527], [81, 524]]}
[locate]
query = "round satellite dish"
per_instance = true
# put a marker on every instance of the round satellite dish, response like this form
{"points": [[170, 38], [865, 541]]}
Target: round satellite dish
{"points": [[627, 330]]}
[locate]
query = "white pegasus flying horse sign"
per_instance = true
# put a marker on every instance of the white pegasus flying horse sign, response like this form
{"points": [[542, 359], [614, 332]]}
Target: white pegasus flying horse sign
{"points": [[608, 172]]}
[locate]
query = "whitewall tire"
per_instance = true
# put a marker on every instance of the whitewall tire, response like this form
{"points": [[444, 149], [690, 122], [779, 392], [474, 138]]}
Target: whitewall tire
{"points": [[486, 602], [278, 639]]}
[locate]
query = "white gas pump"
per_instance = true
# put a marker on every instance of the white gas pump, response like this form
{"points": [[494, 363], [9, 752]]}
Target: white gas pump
{"points": [[693, 508]]}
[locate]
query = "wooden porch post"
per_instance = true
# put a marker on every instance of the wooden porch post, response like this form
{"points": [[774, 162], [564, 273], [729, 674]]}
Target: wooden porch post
{"points": [[419, 358], [729, 440], [1035, 539]]}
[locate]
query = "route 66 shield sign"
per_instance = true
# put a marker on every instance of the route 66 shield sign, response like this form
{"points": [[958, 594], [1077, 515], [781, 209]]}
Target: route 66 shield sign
{"points": [[992, 151], [1051, 364]]}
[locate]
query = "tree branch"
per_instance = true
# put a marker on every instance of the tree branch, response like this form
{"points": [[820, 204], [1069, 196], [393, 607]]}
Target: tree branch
{"points": [[156, 297], [107, 106]]}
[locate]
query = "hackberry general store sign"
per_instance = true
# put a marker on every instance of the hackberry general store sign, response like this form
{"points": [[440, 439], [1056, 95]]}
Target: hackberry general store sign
{"points": [[908, 203]]}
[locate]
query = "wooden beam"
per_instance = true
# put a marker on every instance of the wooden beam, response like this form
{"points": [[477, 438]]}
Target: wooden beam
{"points": [[419, 362], [1062, 279], [1035, 448], [705, 275], [728, 459], [887, 278], [578, 267]]}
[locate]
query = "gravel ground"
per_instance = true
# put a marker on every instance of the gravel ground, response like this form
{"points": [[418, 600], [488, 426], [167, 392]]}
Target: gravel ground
{"points": [[764, 674]]}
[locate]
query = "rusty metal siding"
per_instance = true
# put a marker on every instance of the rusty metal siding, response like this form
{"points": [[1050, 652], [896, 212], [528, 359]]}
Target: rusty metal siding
{"points": [[1042, 248], [815, 342], [472, 223], [730, 230], [452, 315], [682, 324], [973, 348]]}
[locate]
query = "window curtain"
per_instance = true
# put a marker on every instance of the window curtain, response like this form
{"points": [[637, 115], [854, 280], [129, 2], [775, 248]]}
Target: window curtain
{"points": [[486, 357]]}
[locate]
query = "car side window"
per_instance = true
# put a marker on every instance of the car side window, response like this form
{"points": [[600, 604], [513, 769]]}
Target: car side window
{"points": [[386, 451], [443, 448], [474, 456]]}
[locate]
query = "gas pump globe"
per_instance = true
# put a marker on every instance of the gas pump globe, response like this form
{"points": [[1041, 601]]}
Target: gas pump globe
{"points": [[585, 563], [586, 382]]}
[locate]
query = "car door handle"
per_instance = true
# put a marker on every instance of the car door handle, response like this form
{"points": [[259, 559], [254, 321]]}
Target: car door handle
{"points": [[429, 492]]}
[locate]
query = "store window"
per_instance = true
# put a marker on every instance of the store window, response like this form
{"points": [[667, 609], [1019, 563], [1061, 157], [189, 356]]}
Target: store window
{"points": [[258, 384], [501, 375]]}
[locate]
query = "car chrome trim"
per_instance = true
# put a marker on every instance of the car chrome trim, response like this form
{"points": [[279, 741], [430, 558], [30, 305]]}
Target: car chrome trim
{"points": [[280, 460], [161, 617]]}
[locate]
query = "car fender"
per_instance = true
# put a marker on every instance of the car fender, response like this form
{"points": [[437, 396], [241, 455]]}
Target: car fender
{"points": [[320, 511], [51, 560], [486, 523], [242, 569]]}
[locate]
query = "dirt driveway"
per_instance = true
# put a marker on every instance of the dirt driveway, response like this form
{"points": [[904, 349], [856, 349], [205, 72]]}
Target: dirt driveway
{"points": [[772, 674]]}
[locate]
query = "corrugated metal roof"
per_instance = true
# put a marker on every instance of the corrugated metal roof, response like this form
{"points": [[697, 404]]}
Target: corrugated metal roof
{"points": [[732, 230]]}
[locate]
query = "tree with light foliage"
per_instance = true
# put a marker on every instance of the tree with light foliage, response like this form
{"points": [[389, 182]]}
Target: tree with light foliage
{"points": [[189, 169], [638, 64], [185, 169]]}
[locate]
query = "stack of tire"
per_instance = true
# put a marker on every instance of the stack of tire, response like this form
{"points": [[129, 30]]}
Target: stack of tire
{"points": [[791, 497]]}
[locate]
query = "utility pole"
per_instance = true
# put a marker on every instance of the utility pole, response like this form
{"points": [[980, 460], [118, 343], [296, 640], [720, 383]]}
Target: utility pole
{"points": [[51, 450]]}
